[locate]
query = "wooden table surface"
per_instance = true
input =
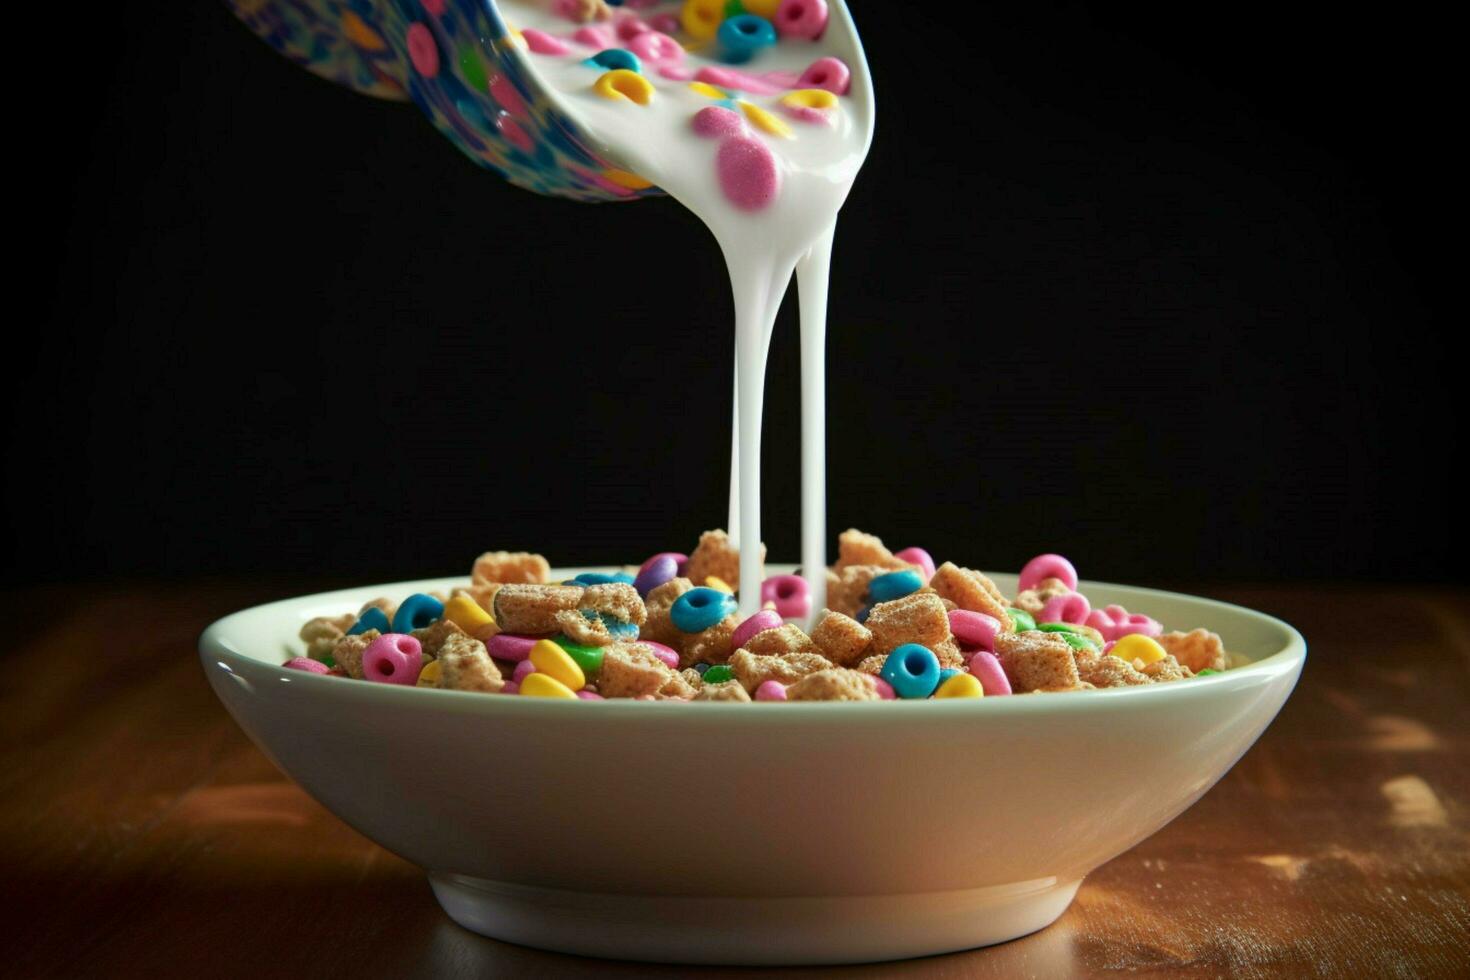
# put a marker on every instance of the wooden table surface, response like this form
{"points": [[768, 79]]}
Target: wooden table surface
{"points": [[142, 833]]}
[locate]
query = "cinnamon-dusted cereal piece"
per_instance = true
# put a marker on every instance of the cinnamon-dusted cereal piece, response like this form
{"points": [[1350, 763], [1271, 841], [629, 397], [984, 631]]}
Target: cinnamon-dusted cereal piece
{"points": [[1091, 634], [1034, 600], [321, 634], [847, 588], [1198, 649], [716, 555], [511, 566], [948, 652], [917, 618], [970, 590], [616, 599], [677, 686], [786, 638], [1105, 670], [349, 650], [657, 626], [1036, 661], [579, 629], [836, 684], [532, 609], [483, 595], [465, 665], [752, 669], [432, 637], [856, 547], [692, 677], [872, 664], [841, 639], [630, 670], [1168, 669], [713, 646], [723, 691]]}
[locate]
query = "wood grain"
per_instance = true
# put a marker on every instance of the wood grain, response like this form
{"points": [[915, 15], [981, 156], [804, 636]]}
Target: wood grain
{"points": [[142, 834]]}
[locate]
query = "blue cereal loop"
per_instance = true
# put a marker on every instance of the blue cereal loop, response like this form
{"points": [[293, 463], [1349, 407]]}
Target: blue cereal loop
{"points": [[912, 671], [698, 609], [742, 36], [894, 585], [601, 578], [416, 612], [612, 58], [372, 618]]}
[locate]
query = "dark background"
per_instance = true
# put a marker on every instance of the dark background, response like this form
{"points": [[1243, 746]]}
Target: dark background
{"points": [[1155, 288]]}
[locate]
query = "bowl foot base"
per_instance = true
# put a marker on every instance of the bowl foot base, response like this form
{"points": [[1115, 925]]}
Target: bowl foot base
{"points": [[752, 931]]}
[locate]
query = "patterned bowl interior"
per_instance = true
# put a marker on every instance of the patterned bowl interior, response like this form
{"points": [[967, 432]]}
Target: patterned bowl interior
{"points": [[456, 60]]}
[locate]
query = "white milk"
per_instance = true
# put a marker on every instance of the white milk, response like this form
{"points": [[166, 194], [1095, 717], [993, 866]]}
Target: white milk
{"points": [[761, 248]]}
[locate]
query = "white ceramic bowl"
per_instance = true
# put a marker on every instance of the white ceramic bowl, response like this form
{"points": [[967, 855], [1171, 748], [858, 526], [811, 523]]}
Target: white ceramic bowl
{"points": [[752, 833]]}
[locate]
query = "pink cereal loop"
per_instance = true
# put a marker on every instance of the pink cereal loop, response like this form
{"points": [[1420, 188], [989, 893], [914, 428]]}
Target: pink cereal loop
{"points": [[593, 37], [1047, 566], [657, 47], [631, 26], [770, 691], [920, 557], [542, 43], [988, 672], [307, 665], [829, 73], [667, 654], [884, 689], [723, 77], [522, 669], [393, 658], [714, 121], [511, 687], [789, 593], [665, 23], [1070, 608], [505, 646], [974, 630], [1115, 622], [587, 695], [766, 619]]}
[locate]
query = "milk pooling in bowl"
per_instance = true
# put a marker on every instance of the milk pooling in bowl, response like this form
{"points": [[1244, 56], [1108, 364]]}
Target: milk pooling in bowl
{"points": [[757, 124]]}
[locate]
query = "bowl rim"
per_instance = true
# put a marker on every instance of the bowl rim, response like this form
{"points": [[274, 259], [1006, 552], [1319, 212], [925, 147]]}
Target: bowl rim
{"points": [[219, 654]]}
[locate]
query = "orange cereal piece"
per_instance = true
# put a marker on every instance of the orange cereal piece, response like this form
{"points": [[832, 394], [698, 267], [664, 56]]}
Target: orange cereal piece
{"points": [[321, 634], [511, 567], [968, 589], [752, 669], [1101, 670], [856, 547], [658, 627], [349, 650], [837, 684], [630, 670], [918, 618], [1168, 669], [532, 609], [1037, 661], [723, 691], [713, 646], [1034, 600], [1198, 650], [783, 639], [847, 588], [431, 638], [465, 665], [841, 639], [716, 555]]}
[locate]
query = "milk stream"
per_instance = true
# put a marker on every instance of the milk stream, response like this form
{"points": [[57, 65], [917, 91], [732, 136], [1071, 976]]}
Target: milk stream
{"points": [[762, 249]]}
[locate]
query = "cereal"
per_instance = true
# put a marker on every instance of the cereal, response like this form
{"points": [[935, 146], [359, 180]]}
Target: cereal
{"points": [[659, 626], [1101, 670], [912, 670], [532, 609], [1168, 669], [723, 691], [713, 646], [630, 670], [348, 652], [841, 639], [847, 588], [507, 567], [1036, 661], [753, 669], [779, 641], [392, 658], [1034, 600], [716, 555], [871, 665], [465, 665], [856, 547], [920, 618], [968, 589], [837, 684], [431, 638], [1198, 649], [321, 634]]}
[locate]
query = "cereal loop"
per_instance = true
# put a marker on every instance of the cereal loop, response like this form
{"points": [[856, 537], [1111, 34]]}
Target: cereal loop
{"points": [[1047, 566]]}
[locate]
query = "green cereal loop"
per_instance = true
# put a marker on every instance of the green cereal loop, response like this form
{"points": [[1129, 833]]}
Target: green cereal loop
{"points": [[587, 658], [1207, 671], [719, 674], [1079, 642], [1022, 619], [329, 661], [1056, 627]]}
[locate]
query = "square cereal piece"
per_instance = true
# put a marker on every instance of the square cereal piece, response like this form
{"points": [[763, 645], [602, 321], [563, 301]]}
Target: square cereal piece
{"points": [[713, 646], [872, 664], [1034, 600], [917, 618], [786, 638], [630, 670], [970, 590], [723, 691], [678, 687], [836, 684], [529, 610], [349, 650], [847, 588], [856, 547], [657, 626], [841, 639], [511, 567], [432, 637], [752, 669], [616, 599], [1106, 670], [321, 634], [948, 652], [464, 665], [1036, 661], [1168, 669], [579, 629], [716, 555], [1198, 649]]}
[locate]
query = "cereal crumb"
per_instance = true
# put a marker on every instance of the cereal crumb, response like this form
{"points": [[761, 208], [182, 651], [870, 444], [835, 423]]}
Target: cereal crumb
{"points": [[1036, 661], [1198, 649], [511, 567], [464, 665], [716, 555], [723, 691], [872, 665], [752, 669], [1105, 670], [1168, 669], [841, 638], [968, 589], [837, 684], [856, 547], [917, 618], [1034, 600], [349, 650]]}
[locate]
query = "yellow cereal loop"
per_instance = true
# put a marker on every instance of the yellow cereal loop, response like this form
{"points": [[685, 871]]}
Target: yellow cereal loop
{"points": [[1136, 646], [708, 91], [466, 613], [765, 120], [810, 98], [761, 8], [620, 83], [429, 675], [545, 686], [702, 18], [554, 662], [961, 686], [625, 179], [715, 582]]}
